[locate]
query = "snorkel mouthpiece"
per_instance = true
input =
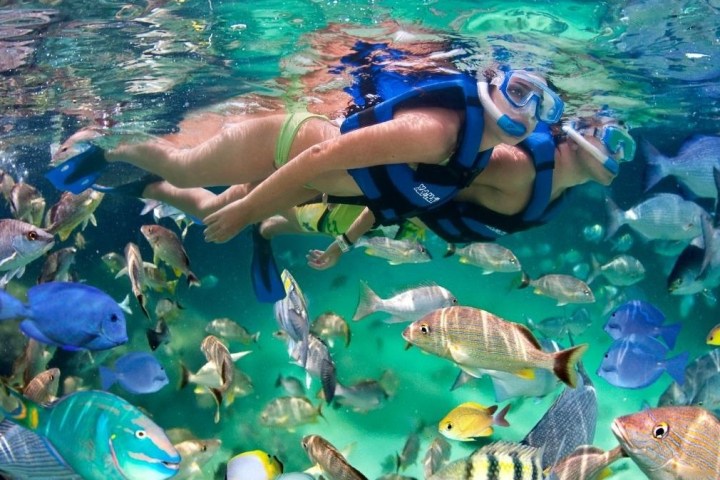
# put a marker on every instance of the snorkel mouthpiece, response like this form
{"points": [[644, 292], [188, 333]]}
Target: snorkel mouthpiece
{"points": [[610, 164], [506, 124]]}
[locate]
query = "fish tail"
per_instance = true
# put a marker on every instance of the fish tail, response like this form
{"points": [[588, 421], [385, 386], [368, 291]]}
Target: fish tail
{"points": [[218, 397], [192, 280], [450, 250], [565, 361], [523, 281], [11, 308], [255, 337], [107, 377], [142, 300], [499, 419], [184, 376], [615, 217], [669, 333], [675, 367], [595, 272], [367, 303], [656, 164]]}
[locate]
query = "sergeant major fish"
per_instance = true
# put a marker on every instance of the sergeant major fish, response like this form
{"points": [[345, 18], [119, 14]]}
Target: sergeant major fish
{"points": [[477, 340], [497, 461]]}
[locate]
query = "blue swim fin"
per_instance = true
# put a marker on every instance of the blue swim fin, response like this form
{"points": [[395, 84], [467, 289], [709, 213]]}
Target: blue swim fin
{"points": [[133, 189], [266, 280], [78, 173]]}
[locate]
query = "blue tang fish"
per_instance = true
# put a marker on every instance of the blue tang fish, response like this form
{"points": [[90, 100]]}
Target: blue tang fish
{"points": [[71, 316], [643, 318], [100, 435], [637, 361], [136, 372]]}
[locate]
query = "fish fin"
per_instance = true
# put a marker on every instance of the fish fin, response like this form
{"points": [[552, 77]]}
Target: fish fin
{"points": [[8, 259], [616, 218], [11, 308], [561, 303], [565, 361], [79, 172], [499, 419], [675, 367], [107, 377], [123, 271], [462, 378], [450, 250], [184, 376], [328, 379], [192, 280], [30, 329], [142, 300], [656, 163], [605, 473], [669, 333], [91, 219], [367, 304], [177, 272], [266, 280], [526, 373], [218, 397]]}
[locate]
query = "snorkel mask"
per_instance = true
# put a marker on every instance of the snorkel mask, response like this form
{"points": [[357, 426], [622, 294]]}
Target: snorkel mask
{"points": [[523, 92], [618, 143]]}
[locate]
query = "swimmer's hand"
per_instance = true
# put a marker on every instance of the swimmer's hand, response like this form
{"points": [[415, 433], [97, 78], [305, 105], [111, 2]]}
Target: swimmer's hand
{"points": [[225, 223], [322, 260]]}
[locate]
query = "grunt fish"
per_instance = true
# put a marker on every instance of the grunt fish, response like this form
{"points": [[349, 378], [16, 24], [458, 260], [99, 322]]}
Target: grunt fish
{"points": [[168, 248], [563, 288], [331, 461], [20, 244], [406, 306], [72, 211], [490, 257]]}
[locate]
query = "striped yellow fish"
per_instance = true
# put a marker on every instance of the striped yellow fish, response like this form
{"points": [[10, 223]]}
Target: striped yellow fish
{"points": [[497, 461], [477, 340], [672, 442]]}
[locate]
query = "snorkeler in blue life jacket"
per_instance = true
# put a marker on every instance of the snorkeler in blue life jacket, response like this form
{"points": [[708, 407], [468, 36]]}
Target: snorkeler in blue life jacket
{"points": [[294, 157]]}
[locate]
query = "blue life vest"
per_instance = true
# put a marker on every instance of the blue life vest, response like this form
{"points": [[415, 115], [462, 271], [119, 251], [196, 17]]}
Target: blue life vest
{"points": [[465, 222], [396, 192]]}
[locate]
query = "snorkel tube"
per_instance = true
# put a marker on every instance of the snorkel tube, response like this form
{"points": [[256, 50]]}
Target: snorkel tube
{"points": [[610, 164], [506, 124]]}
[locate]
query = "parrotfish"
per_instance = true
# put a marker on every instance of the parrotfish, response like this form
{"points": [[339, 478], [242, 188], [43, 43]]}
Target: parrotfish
{"points": [[71, 316], [670, 443], [100, 435], [477, 340]]}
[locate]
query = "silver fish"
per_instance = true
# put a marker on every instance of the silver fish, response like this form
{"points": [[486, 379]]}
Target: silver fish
{"points": [[665, 216], [135, 271], [329, 459], [361, 396], [437, 455], [621, 271], [569, 422], [670, 443], [57, 266], [113, 261], [291, 385], [26, 203], [490, 257], [168, 248], [289, 412], [330, 325], [72, 211], [20, 244], [407, 306], [218, 355], [559, 326], [319, 363], [395, 251], [7, 182], [226, 328], [291, 314], [156, 279], [702, 379], [563, 288], [195, 454], [410, 451]]}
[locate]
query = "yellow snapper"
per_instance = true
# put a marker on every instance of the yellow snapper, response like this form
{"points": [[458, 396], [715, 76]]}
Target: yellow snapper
{"points": [[329, 459], [670, 443], [497, 461], [254, 465], [71, 211], [586, 462], [477, 340], [471, 420]]}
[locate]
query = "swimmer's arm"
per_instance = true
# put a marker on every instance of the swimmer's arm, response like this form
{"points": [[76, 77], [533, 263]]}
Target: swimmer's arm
{"points": [[320, 260], [410, 138]]}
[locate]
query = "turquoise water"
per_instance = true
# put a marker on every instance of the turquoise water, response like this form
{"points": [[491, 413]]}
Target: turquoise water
{"points": [[144, 67]]}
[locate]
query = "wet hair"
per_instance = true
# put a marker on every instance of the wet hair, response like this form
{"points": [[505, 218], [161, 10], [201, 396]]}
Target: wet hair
{"points": [[602, 117]]}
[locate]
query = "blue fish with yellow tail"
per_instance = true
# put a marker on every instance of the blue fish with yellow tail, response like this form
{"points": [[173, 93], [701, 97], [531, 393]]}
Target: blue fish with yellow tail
{"points": [[72, 316], [99, 435]]}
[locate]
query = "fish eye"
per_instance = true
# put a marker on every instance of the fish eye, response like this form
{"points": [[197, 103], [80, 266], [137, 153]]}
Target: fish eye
{"points": [[203, 448], [661, 430], [448, 426], [32, 235], [140, 434], [454, 301], [114, 318], [424, 328]]}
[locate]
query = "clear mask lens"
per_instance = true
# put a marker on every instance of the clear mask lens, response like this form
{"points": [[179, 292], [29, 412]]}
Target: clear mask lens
{"points": [[521, 89], [618, 142]]}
